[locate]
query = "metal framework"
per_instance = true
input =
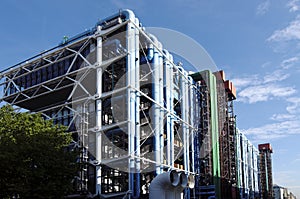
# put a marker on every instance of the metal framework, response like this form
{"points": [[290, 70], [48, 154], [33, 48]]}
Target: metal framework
{"points": [[227, 136], [206, 139], [128, 106], [247, 168], [134, 114], [266, 176]]}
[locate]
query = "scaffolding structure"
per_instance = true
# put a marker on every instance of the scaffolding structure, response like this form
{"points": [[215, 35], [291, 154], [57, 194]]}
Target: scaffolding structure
{"points": [[208, 182], [129, 108], [248, 168], [227, 135], [265, 175], [134, 114]]}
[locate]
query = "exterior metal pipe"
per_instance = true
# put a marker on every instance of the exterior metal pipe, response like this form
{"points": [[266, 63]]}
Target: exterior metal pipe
{"points": [[128, 14], [183, 180], [170, 101], [136, 193], [131, 96], [182, 185], [164, 185], [192, 121], [150, 53], [156, 108], [184, 115], [98, 115], [187, 119], [161, 102], [168, 81]]}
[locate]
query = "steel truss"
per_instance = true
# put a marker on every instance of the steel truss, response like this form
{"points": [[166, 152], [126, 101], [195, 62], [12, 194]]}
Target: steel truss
{"points": [[110, 94], [227, 138]]}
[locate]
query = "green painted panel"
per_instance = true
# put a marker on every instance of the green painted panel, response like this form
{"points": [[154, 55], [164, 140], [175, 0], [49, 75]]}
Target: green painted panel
{"points": [[214, 132], [210, 80]]}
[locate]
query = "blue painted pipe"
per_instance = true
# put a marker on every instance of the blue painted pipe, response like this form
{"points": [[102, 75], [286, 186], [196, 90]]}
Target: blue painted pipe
{"points": [[131, 65], [150, 53], [136, 193], [156, 109]]}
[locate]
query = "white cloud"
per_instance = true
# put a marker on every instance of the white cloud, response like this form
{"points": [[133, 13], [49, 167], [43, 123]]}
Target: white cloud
{"points": [[246, 81], [255, 80], [266, 64], [284, 124], [264, 92], [282, 117], [263, 7], [291, 32], [297, 159], [294, 106], [287, 63], [272, 131], [293, 5], [256, 88], [277, 75]]}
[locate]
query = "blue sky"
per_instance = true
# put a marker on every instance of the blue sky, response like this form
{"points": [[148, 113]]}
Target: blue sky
{"points": [[256, 42]]}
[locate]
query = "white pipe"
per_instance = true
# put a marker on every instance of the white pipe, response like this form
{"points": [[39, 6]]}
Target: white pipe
{"points": [[168, 185], [156, 108], [167, 85], [128, 14], [175, 117], [183, 184], [147, 36], [184, 115], [137, 112], [161, 102], [192, 120], [187, 114], [164, 185], [172, 118], [131, 97], [98, 115]]}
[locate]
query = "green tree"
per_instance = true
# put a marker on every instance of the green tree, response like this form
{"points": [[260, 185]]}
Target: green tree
{"points": [[34, 162]]}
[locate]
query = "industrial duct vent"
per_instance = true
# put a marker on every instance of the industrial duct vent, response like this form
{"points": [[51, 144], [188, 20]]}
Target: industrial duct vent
{"points": [[169, 185]]}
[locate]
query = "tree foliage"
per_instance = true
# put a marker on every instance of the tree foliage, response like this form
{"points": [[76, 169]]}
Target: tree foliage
{"points": [[34, 162]]}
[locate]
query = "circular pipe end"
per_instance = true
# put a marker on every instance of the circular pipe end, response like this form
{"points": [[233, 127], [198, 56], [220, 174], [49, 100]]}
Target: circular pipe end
{"points": [[174, 178], [183, 180]]}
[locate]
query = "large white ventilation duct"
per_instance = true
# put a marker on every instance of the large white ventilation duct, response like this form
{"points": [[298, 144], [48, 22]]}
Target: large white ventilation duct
{"points": [[169, 185]]}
